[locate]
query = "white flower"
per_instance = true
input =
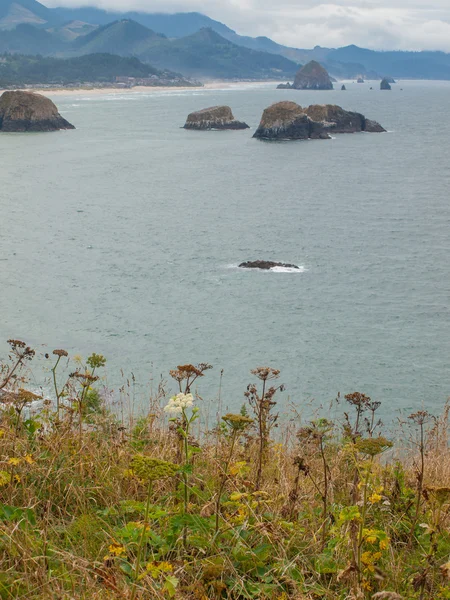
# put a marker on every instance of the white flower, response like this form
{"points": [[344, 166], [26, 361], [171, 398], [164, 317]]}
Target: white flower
{"points": [[179, 402]]}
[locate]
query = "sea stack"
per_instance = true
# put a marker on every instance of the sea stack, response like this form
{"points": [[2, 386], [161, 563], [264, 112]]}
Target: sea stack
{"points": [[360, 80], [385, 85], [288, 121], [312, 76], [344, 121], [343, 88], [27, 111], [214, 118]]}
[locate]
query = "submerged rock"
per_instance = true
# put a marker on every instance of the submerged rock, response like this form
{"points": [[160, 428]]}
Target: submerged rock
{"points": [[288, 121], [27, 111], [344, 121], [312, 76], [385, 85], [265, 265], [215, 117]]}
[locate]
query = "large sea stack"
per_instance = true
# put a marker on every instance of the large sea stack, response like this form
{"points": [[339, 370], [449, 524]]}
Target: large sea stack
{"points": [[385, 85], [288, 121], [215, 117], [26, 111], [312, 76], [344, 121]]}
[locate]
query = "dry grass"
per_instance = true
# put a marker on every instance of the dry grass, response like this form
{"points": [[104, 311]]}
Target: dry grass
{"points": [[328, 516]]}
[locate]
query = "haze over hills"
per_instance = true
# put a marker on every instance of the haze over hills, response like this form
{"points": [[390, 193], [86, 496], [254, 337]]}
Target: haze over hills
{"points": [[193, 43]]}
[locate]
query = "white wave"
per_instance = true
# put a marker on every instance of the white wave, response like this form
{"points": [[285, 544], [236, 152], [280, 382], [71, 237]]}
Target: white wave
{"points": [[300, 269]]}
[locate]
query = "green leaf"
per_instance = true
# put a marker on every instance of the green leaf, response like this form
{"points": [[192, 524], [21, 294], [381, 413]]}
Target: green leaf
{"points": [[170, 585]]}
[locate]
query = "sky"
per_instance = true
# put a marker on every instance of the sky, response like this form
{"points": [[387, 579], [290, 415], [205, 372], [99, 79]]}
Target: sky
{"points": [[378, 24]]}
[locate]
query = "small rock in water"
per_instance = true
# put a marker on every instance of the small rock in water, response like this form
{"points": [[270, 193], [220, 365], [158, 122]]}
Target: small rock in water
{"points": [[266, 265], [215, 117]]}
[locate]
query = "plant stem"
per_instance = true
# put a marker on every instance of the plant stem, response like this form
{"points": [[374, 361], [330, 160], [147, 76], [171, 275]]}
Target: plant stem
{"points": [[141, 542], [224, 478]]}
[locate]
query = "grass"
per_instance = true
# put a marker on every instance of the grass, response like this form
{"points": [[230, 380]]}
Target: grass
{"points": [[96, 506]]}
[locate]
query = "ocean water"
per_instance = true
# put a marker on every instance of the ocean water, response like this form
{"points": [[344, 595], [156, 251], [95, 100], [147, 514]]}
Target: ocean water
{"points": [[123, 237]]}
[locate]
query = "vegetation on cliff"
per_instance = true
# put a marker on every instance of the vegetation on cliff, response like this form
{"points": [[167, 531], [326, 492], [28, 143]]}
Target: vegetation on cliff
{"points": [[97, 503], [18, 70]]}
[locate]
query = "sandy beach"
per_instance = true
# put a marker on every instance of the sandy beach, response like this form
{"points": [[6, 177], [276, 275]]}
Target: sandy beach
{"points": [[212, 85]]}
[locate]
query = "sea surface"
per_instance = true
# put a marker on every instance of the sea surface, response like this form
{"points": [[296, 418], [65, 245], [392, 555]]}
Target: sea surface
{"points": [[123, 237]]}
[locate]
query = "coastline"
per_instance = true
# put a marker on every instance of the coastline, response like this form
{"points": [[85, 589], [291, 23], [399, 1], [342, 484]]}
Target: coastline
{"points": [[212, 85]]}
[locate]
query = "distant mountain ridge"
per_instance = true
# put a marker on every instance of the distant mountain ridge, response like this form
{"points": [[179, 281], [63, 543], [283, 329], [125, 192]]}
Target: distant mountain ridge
{"points": [[165, 38]]}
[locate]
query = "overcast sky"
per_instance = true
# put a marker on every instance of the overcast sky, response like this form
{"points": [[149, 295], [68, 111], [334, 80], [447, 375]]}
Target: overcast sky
{"points": [[381, 24]]}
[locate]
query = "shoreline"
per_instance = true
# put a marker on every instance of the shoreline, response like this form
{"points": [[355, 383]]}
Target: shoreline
{"points": [[212, 85]]}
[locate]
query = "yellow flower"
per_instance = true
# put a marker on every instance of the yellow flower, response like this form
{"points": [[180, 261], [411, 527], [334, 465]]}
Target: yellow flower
{"points": [[5, 478], [2, 433], [17, 478], [374, 498], [157, 568], [116, 550], [14, 461], [384, 544], [29, 459]]}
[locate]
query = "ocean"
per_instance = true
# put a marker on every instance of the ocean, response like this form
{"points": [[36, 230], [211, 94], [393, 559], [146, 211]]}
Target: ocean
{"points": [[123, 238]]}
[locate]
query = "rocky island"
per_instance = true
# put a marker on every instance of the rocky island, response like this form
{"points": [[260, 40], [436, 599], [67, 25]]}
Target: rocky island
{"points": [[311, 76], [214, 118], [385, 85], [26, 111], [288, 121], [265, 265], [343, 121]]}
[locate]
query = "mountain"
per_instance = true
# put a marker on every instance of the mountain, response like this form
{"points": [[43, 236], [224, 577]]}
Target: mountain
{"points": [[26, 39], [123, 37], [207, 54], [16, 12], [68, 32], [403, 64], [171, 25]]}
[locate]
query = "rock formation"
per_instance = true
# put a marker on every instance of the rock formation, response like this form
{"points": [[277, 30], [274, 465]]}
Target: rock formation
{"points": [[344, 121], [284, 86], [390, 79], [288, 121], [265, 265], [312, 76], [343, 88], [216, 117], [385, 85], [360, 80], [26, 111]]}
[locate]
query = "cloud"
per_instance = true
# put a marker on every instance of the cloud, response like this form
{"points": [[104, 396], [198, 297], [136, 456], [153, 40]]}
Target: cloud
{"points": [[378, 24]]}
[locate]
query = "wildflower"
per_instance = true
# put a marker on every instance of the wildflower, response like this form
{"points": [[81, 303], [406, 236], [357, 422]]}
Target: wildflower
{"points": [[157, 568], [14, 461], [373, 446], [2, 433], [237, 422], [95, 361], [375, 498], [151, 469], [178, 403], [440, 494], [29, 459], [60, 353], [5, 478], [116, 550]]}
